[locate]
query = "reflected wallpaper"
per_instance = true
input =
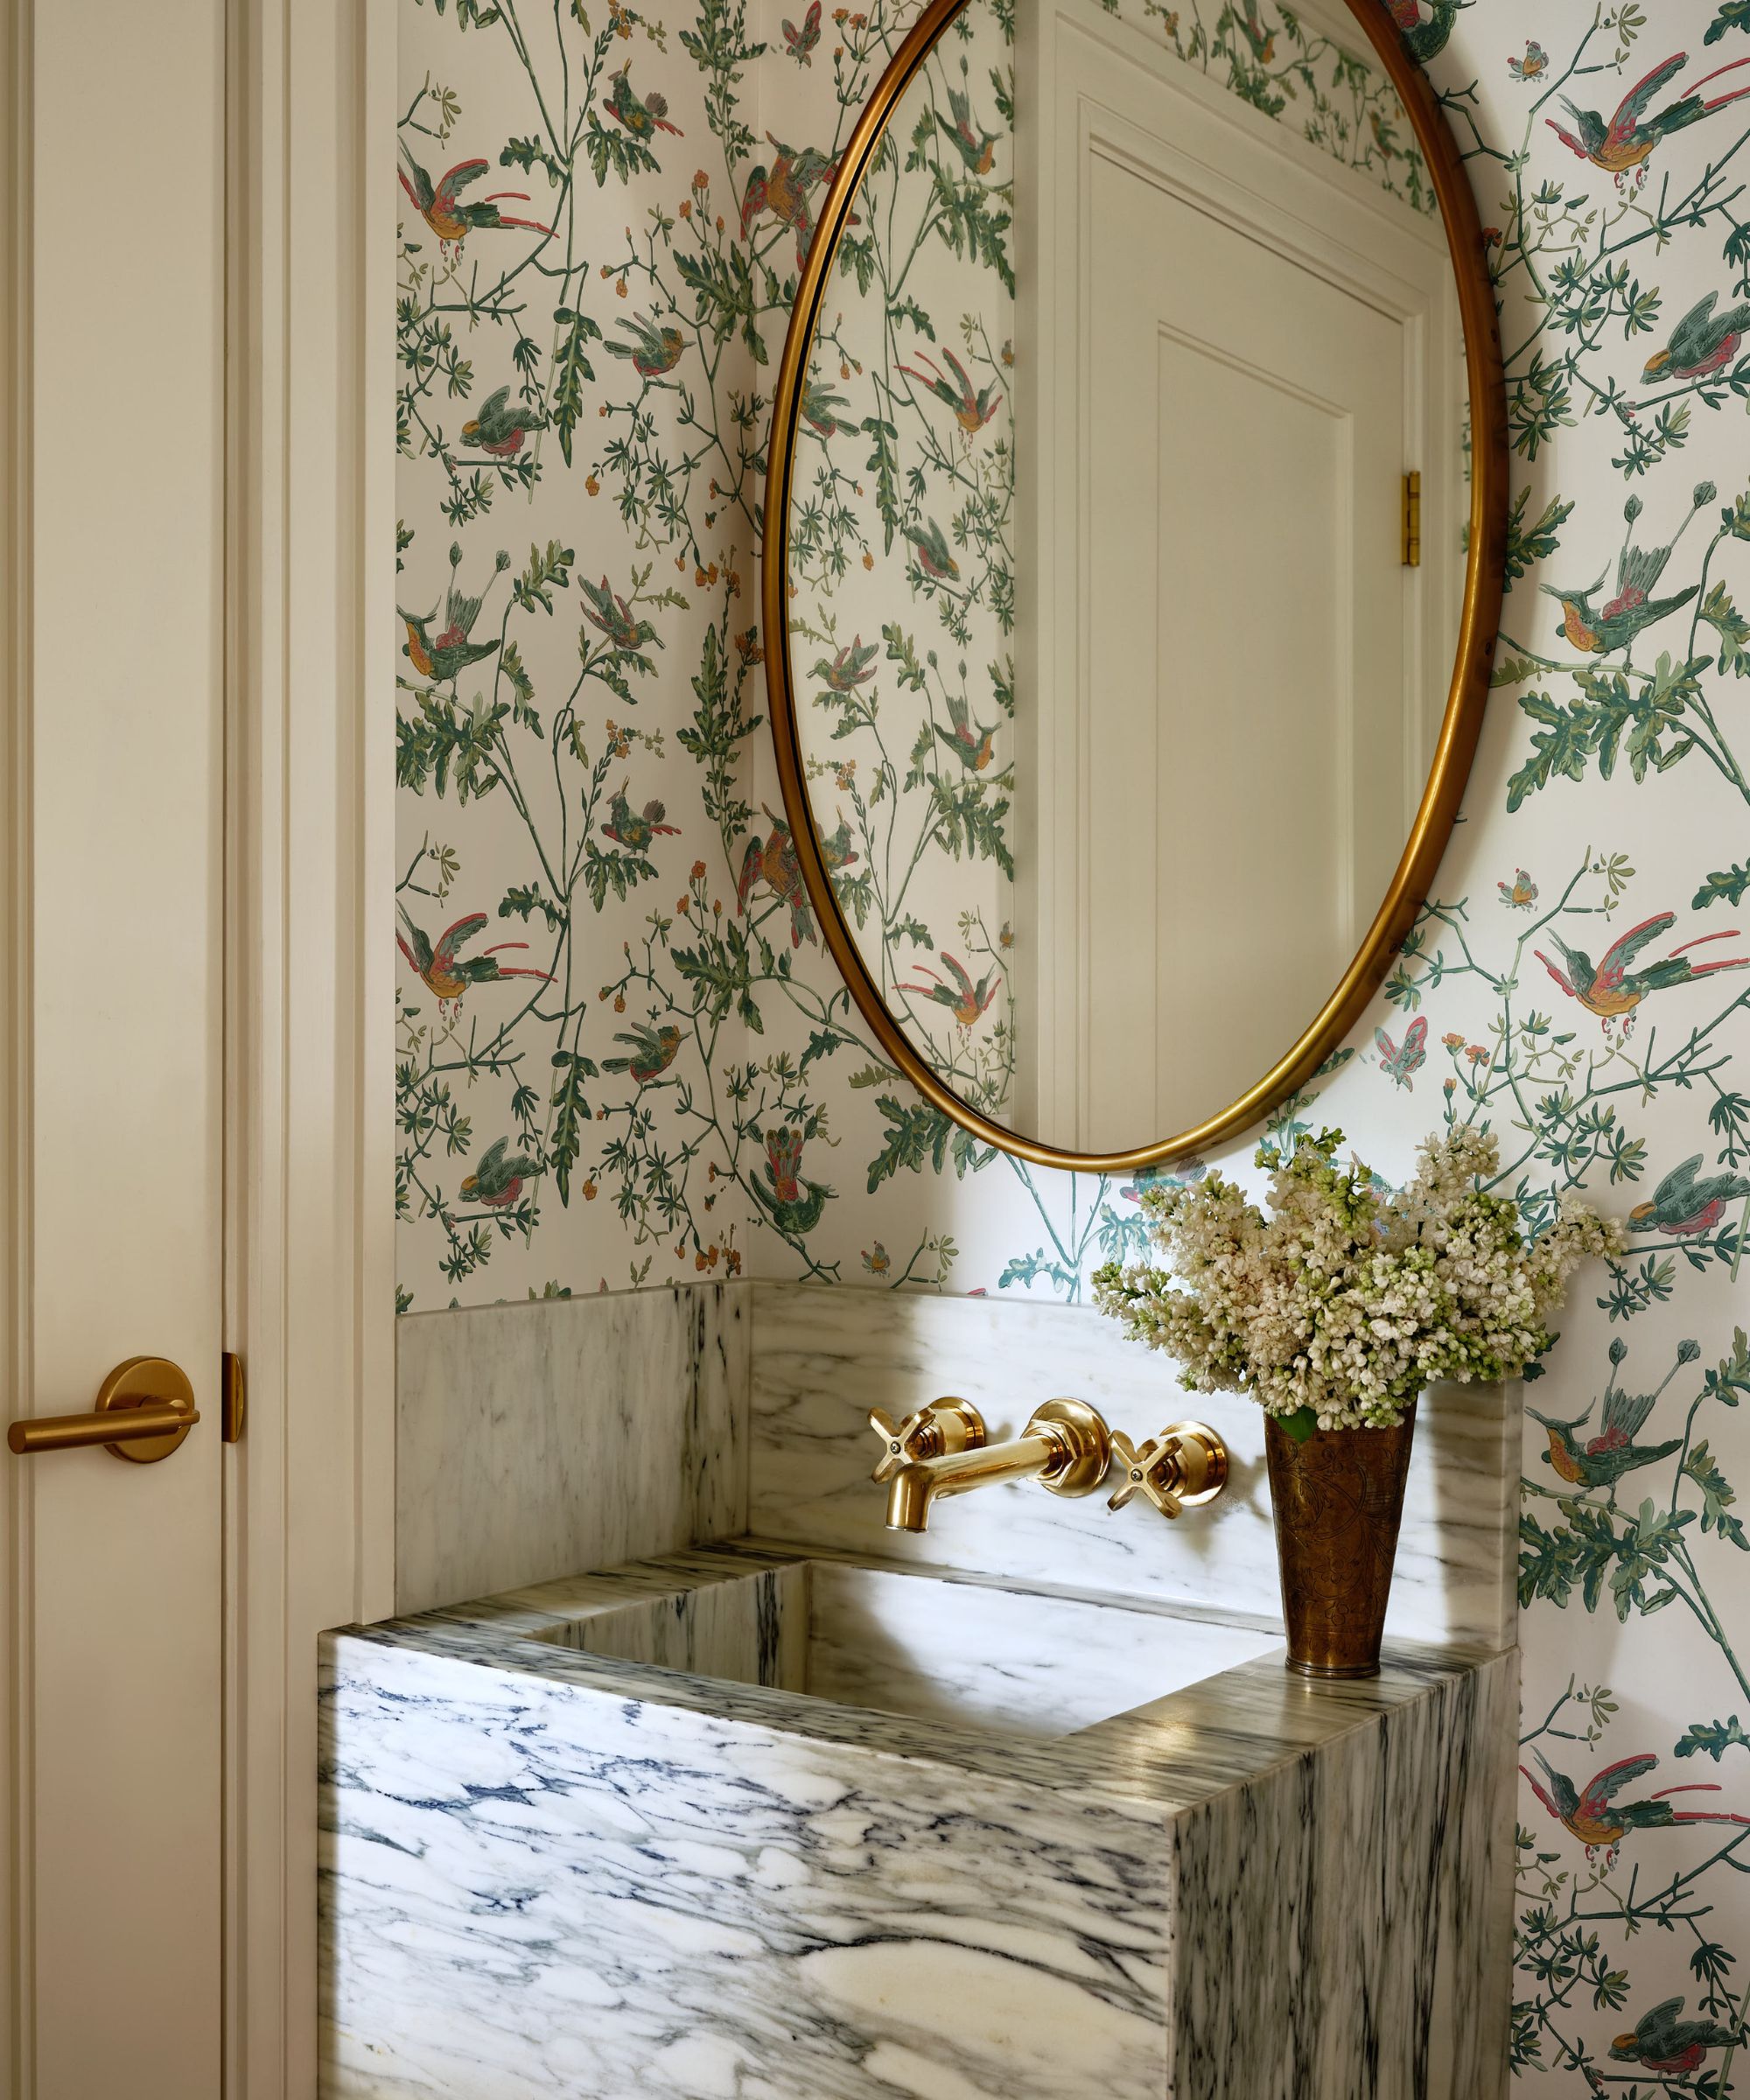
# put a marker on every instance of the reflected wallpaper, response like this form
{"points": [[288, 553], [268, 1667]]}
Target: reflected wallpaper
{"points": [[623, 1056]]}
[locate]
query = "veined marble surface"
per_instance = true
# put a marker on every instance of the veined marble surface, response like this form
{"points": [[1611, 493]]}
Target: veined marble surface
{"points": [[560, 1433], [551, 1872], [823, 1357]]}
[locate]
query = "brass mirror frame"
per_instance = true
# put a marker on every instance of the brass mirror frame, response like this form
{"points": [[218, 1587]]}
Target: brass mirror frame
{"points": [[1467, 696]]}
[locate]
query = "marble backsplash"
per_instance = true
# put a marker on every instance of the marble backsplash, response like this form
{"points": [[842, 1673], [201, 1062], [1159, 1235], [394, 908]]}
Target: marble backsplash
{"points": [[822, 1358], [545, 1438]]}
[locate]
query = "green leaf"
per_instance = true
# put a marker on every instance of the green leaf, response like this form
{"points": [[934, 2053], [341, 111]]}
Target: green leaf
{"points": [[1528, 544], [1715, 1737], [570, 368], [1724, 885]]}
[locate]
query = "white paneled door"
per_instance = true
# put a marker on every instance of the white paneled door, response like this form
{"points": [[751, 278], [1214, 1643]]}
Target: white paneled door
{"points": [[113, 1187]]}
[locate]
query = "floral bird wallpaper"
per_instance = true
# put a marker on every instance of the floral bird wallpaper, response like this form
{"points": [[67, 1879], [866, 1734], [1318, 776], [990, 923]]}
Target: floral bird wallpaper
{"points": [[624, 1059]]}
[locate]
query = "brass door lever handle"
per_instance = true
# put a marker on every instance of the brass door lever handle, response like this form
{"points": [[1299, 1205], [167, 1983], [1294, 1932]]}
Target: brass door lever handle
{"points": [[145, 1407]]}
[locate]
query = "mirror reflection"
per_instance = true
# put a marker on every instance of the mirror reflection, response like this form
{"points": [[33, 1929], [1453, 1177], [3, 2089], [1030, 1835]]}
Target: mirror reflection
{"points": [[1126, 553]]}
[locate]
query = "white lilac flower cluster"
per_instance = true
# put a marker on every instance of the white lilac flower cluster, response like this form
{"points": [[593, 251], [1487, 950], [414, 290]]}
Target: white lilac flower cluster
{"points": [[1338, 1307]]}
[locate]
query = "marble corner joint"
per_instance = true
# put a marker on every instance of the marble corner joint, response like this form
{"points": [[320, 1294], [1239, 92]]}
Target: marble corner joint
{"points": [[942, 1450]]}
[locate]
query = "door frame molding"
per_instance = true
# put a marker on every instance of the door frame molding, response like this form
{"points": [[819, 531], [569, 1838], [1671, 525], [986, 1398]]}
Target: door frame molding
{"points": [[308, 1490]]}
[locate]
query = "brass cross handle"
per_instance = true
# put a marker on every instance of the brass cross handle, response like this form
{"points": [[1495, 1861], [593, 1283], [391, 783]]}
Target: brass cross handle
{"points": [[944, 1425], [1183, 1466]]}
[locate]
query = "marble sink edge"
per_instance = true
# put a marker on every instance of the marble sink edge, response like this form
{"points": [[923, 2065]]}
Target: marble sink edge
{"points": [[1171, 1754]]}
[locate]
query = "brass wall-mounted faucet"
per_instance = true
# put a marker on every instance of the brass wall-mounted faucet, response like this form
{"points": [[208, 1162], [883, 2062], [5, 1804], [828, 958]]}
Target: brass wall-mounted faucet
{"points": [[1065, 1447], [940, 1450]]}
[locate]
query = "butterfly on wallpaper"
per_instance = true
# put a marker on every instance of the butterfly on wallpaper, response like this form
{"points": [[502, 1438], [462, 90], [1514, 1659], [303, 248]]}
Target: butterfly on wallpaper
{"points": [[1402, 1063], [800, 42]]}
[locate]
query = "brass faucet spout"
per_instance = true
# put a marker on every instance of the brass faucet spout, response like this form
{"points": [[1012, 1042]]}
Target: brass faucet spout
{"points": [[1066, 1447], [920, 1482]]}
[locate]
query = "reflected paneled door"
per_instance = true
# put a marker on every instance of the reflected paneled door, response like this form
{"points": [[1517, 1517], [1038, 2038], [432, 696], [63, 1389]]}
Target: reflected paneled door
{"points": [[113, 472], [1249, 713]]}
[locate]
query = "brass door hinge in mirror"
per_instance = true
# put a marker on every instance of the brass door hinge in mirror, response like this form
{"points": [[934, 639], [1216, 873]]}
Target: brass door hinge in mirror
{"points": [[1413, 520], [233, 1398]]}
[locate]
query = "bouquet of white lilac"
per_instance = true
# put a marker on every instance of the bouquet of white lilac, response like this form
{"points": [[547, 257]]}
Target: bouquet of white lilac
{"points": [[1338, 1308]]}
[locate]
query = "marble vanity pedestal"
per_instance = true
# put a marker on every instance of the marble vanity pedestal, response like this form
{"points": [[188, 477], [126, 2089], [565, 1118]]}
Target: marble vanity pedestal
{"points": [[766, 1823]]}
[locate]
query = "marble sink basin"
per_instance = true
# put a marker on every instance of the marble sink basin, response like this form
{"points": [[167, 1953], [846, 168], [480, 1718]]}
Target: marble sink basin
{"points": [[758, 1823], [890, 1641]]}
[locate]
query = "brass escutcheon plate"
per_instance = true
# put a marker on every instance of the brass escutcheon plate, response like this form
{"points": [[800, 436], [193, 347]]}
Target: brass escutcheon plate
{"points": [[1089, 1443], [146, 1378]]}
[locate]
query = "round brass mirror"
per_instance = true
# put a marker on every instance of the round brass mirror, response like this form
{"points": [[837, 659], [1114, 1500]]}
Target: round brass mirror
{"points": [[1134, 535]]}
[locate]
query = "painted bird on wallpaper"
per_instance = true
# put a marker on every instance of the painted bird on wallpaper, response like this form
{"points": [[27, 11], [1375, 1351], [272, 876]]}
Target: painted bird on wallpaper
{"points": [[1702, 342], [1613, 989], [772, 861], [498, 1179], [820, 408], [964, 1000], [605, 609], [653, 1051], [653, 350], [439, 204], [800, 43], [1403, 1061], [1621, 144], [1688, 1201], [972, 408], [452, 649], [499, 428], [793, 1204], [1599, 1821], [634, 829], [1603, 1459], [1424, 40], [786, 189], [854, 665], [1614, 624], [641, 118], [443, 969], [974, 145], [931, 548], [1662, 2041], [1261, 38], [971, 743]]}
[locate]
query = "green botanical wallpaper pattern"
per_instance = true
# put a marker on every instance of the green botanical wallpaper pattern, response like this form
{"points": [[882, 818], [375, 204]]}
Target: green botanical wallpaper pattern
{"points": [[623, 1057]]}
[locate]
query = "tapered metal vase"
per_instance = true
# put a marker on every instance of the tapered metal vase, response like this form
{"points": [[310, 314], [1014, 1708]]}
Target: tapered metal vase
{"points": [[1338, 1498]]}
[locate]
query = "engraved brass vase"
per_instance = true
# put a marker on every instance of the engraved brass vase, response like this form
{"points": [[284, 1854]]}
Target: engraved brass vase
{"points": [[1338, 1497]]}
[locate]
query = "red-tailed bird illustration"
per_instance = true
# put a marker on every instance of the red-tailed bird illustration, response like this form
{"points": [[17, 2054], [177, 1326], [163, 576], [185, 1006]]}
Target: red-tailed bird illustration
{"points": [[1595, 1815], [786, 189], [641, 118], [972, 409], [653, 350], [854, 665], [1702, 342], [497, 1181], [499, 429], [446, 655], [1663, 2042], [1600, 1461], [1621, 144], [439, 204], [1688, 1201], [970, 742], [794, 1204], [653, 1051], [800, 42], [605, 608], [1612, 989], [634, 829], [447, 973], [965, 999], [773, 861]]}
